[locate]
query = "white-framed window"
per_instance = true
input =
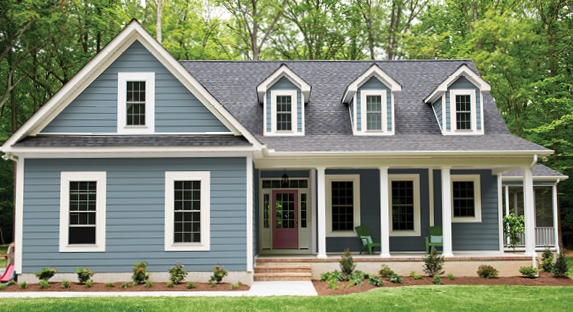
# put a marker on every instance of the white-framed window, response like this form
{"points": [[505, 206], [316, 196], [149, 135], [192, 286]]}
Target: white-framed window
{"points": [[187, 210], [373, 107], [82, 211], [463, 111], [466, 198], [404, 204], [136, 103], [284, 106], [342, 205]]}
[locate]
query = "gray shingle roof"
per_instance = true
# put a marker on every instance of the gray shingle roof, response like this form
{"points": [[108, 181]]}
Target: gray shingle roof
{"points": [[133, 140], [539, 170], [327, 121]]}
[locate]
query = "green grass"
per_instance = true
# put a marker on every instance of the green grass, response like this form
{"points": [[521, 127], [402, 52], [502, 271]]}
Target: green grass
{"points": [[3, 252], [427, 298], [570, 262]]}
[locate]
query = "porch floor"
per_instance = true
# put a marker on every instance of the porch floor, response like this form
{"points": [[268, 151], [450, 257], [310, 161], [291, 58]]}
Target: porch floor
{"points": [[395, 257]]}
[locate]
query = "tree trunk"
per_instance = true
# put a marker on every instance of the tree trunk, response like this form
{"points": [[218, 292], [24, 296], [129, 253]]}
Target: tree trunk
{"points": [[158, 20]]}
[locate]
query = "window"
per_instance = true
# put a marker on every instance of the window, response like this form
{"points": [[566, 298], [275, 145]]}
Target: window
{"points": [[404, 206], [463, 111], [136, 103], [303, 211], [373, 112], [82, 211], [284, 113], [284, 116], [342, 205], [267, 210], [466, 200], [187, 210]]}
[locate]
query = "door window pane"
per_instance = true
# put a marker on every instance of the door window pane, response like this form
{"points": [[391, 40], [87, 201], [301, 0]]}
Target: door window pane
{"points": [[285, 211]]}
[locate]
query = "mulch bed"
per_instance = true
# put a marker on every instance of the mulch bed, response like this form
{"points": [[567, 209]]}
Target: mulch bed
{"points": [[544, 279], [75, 287]]}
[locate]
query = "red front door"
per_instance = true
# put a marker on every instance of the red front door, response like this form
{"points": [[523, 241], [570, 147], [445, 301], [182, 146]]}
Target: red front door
{"points": [[285, 219]]}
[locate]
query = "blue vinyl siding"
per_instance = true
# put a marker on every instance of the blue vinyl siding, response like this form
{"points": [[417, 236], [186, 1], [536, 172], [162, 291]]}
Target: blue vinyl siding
{"points": [[374, 84], [95, 109], [285, 84], [135, 215], [463, 83], [438, 111]]}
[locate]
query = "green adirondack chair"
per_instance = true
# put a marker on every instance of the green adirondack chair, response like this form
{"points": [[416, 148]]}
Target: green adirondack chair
{"points": [[436, 238], [364, 235]]}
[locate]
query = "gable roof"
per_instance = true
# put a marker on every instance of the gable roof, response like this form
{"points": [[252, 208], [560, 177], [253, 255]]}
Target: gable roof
{"points": [[539, 171], [373, 71], [132, 32], [464, 71], [283, 71]]}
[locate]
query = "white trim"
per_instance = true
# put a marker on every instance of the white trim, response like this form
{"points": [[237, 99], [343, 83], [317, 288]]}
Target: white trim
{"points": [[283, 71], [122, 79], [19, 230], [538, 178], [447, 212], [555, 221], [431, 187], [294, 115], [321, 201], [250, 214], [100, 178], [475, 178], [373, 71], [415, 178], [133, 134], [384, 212], [137, 151], [205, 178], [355, 178], [465, 71], [364, 113], [312, 177], [500, 211], [436, 115], [453, 115]]}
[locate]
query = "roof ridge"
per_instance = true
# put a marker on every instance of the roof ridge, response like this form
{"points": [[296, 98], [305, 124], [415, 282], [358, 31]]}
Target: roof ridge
{"points": [[328, 61]]}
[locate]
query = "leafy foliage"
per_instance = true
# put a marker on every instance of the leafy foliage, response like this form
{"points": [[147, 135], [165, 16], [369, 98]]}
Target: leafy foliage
{"points": [[170, 284], [89, 283], [451, 277], [140, 274], [412, 273], [433, 264], [148, 284], [385, 271], [66, 284], [512, 227], [357, 278], [437, 280], [561, 267], [529, 272], [84, 275], [547, 260], [218, 274], [177, 274], [46, 273], [333, 284], [487, 271], [2, 286], [190, 285], [125, 285], [395, 278], [418, 277], [23, 285], [109, 284], [347, 264], [375, 280], [332, 275], [44, 284]]}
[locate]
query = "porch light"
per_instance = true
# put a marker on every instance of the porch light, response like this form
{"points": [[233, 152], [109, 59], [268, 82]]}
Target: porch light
{"points": [[284, 180]]}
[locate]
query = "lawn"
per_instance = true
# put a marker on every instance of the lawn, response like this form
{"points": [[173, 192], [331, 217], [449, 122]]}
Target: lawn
{"points": [[3, 252], [428, 298], [570, 262]]}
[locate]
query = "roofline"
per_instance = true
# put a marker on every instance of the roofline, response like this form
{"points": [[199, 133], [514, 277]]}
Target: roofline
{"points": [[464, 70], [535, 178], [283, 71], [458, 153], [373, 71], [331, 61]]}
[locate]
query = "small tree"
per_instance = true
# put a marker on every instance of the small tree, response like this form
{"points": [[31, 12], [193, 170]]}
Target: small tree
{"points": [[347, 264], [433, 264], [512, 227], [561, 267]]}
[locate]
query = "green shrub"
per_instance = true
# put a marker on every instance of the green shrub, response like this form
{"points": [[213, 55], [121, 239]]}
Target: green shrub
{"points": [[433, 264], [2, 286], [487, 271], [46, 273], [529, 272], [561, 267], [395, 278], [437, 280], [89, 283], [170, 284], [148, 284], [11, 282], [412, 273], [44, 284], [218, 274], [66, 284], [239, 283], [418, 277], [84, 275], [547, 260], [347, 264], [234, 286], [375, 280], [191, 285], [331, 275], [385, 271], [140, 273], [512, 227], [23, 285], [213, 283], [333, 284], [109, 284], [177, 274], [125, 285], [357, 278], [451, 277]]}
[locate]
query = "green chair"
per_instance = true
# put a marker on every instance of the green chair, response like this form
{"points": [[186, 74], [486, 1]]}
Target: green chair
{"points": [[364, 235], [436, 238]]}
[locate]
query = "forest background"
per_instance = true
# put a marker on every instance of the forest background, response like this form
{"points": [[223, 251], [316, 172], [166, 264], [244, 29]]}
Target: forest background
{"points": [[522, 48]]}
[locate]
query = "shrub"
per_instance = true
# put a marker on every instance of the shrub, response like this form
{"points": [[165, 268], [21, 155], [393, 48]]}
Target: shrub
{"points": [[191, 285], [239, 283], [561, 268], [218, 274], [487, 271], [177, 274], [2, 286], [125, 285], [529, 272], [512, 227], [170, 284], [375, 280], [412, 273], [46, 273], [357, 278], [66, 284], [140, 273], [213, 283], [84, 275], [23, 285], [233, 286], [89, 283], [44, 284], [332, 283], [547, 260], [331, 275], [395, 278], [109, 284], [385, 271], [148, 284], [451, 277], [437, 280], [433, 264], [347, 264], [418, 277], [11, 282]]}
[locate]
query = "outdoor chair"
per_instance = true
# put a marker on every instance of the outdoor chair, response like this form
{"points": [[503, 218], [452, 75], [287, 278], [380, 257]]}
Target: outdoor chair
{"points": [[436, 238], [364, 235]]}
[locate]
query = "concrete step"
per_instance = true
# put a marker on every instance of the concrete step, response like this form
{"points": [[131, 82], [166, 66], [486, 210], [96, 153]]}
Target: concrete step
{"points": [[282, 268], [289, 276]]}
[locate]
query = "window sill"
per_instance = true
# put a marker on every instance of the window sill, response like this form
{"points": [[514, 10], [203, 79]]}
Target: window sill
{"points": [[341, 234], [404, 233], [187, 247], [82, 248], [466, 219]]}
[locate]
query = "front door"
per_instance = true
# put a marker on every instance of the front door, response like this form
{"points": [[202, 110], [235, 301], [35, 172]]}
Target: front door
{"points": [[285, 219]]}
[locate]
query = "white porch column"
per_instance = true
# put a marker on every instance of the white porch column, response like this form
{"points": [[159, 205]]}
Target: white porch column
{"points": [[529, 213], [447, 212], [384, 213], [321, 190], [506, 200], [555, 227]]}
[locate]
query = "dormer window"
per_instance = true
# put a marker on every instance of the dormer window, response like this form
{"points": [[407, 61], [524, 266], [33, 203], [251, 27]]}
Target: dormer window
{"points": [[285, 112], [373, 112], [136, 103], [463, 112]]}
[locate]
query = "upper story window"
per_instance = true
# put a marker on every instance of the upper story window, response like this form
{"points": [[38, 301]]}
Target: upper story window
{"points": [[374, 112], [136, 103], [463, 111], [284, 113]]}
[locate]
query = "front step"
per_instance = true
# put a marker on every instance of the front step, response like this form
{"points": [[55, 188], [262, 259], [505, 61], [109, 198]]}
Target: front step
{"points": [[282, 272]]}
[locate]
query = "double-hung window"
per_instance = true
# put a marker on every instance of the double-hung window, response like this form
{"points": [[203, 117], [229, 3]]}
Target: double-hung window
{"points": [[404, 204], [463, 111], [187, 210], [466, 201], [342, 204], [374, 112], [82, 211], [284, 113], [136, 103]]}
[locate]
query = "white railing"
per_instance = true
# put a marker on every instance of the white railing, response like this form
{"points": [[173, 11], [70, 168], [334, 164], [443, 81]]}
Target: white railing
{"points": [[544, 236]]}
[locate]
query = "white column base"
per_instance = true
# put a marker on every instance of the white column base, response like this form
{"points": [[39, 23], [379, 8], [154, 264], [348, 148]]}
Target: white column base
{"points": [[321, 256]]}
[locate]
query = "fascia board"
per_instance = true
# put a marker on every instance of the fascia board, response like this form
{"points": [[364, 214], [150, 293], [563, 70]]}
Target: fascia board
{"points": [[410, 153], [535, 178]]}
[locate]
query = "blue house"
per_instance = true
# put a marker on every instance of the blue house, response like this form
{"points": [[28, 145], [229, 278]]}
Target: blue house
{"points": [[263, 164]]}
